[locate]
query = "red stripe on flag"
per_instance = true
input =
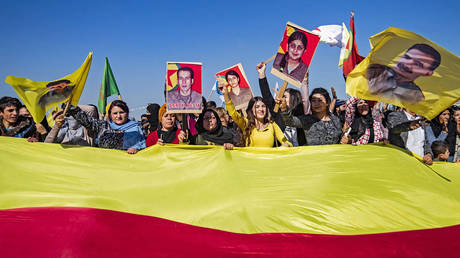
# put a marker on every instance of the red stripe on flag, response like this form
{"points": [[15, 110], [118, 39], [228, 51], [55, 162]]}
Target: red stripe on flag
{"points": [[86, 232]]}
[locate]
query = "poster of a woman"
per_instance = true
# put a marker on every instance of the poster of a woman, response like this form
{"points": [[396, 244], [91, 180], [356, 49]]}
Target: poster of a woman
{"points": [[294, 54], [239, 90]]}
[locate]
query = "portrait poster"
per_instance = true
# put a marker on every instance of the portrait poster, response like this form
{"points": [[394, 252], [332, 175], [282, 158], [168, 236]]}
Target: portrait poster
{"points": [[294, 54], [183, 87], [40, 97], [239, 90], [407, 70]]}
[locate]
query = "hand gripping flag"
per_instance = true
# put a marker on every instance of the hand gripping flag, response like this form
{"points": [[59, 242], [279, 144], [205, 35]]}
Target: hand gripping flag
{"points": [[108, 87], [39, 97], [409, 71]]}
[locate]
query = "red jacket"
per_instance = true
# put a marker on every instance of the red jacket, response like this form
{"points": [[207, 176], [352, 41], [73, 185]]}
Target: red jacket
{"points": [[152, 138]]}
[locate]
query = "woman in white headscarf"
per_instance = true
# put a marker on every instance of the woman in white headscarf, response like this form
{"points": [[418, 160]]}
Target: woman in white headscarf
{"points": [[67, 130]]}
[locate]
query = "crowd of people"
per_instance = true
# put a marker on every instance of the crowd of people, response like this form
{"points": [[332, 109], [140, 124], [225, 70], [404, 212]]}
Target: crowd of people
{"points": [[306, 117]]}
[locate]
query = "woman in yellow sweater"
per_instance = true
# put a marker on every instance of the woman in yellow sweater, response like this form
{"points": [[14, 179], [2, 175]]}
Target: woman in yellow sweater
{"points": [[258, 129]]}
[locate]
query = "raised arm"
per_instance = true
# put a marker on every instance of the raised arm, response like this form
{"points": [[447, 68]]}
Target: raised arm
{"points": [[264, 87], [333, 101], [305, 97], [350, 109], [59, 120], [92, 125], [398, 124], [237, 117]]}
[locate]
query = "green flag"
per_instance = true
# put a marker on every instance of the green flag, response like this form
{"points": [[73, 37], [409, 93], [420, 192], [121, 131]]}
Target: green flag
{"points": [[108, 87]]}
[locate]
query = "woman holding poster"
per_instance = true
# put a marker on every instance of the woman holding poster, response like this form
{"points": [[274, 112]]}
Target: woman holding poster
{"points": [[258, 128]]}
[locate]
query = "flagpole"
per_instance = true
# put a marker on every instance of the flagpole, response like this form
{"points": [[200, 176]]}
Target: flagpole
{"points": [[210, 94], [282, 89], [119, 97], [270, 59], [67, 104]]}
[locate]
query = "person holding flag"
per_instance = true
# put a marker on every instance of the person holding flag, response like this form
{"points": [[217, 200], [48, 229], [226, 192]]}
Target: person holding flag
{"points": [[117, 133]]}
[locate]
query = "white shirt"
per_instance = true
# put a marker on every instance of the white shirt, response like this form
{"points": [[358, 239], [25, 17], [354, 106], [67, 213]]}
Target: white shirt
{"points": [[291, 135], [415, 138]]}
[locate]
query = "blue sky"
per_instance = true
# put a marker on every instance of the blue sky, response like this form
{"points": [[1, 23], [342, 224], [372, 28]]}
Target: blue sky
{"points": [[46, 40]]}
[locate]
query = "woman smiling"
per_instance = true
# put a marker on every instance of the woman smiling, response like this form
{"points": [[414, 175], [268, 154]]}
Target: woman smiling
{"points": [[258, 129]]}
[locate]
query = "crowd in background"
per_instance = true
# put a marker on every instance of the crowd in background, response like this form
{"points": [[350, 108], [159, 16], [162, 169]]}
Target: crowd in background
{"points": [[305, 117]]}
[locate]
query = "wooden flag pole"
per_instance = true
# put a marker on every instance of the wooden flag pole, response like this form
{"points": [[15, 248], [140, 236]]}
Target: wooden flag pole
{"points": [[282, 89], [270, 59], [210, 94], [67, 105], [119, 97]]}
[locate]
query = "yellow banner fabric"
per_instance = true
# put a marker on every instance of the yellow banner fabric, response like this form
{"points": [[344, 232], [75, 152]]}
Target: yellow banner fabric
{"points": [[336, 189]]}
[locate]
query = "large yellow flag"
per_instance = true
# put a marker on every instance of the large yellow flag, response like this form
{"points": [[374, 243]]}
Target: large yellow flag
{"points": [[41, 96], [409, 71]]}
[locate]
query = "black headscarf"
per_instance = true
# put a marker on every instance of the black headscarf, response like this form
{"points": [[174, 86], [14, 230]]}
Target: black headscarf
{"points": [[360, 124], [167, 136], [153, 117], [436, 125], [218, 136]]}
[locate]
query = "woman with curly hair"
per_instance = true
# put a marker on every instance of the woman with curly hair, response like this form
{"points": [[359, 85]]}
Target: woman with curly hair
{"points": [[258, 128]]}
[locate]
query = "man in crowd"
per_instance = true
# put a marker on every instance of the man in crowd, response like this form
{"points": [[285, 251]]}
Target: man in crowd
{"points": [[407, 130], [13, 125], [397, 83]]}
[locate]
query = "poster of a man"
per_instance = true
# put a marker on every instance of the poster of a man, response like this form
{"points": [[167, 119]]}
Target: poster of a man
{"points": [[57, 92], [238, 85], [397, 83], [183, 87], [294, 54]]}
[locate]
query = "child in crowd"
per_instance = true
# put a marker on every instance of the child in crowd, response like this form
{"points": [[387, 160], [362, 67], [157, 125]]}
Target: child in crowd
{"points": [[440, 151]]}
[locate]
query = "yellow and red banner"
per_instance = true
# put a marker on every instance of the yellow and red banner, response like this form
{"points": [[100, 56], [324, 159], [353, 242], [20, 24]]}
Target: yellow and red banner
{"points": [[407, 70], [359, 201], [39, 97]]}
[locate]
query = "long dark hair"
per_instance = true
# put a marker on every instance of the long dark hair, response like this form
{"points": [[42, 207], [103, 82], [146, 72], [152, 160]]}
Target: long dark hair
{"points": [[252, 119], [296, 107], [295, 101], [361, 122]]}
